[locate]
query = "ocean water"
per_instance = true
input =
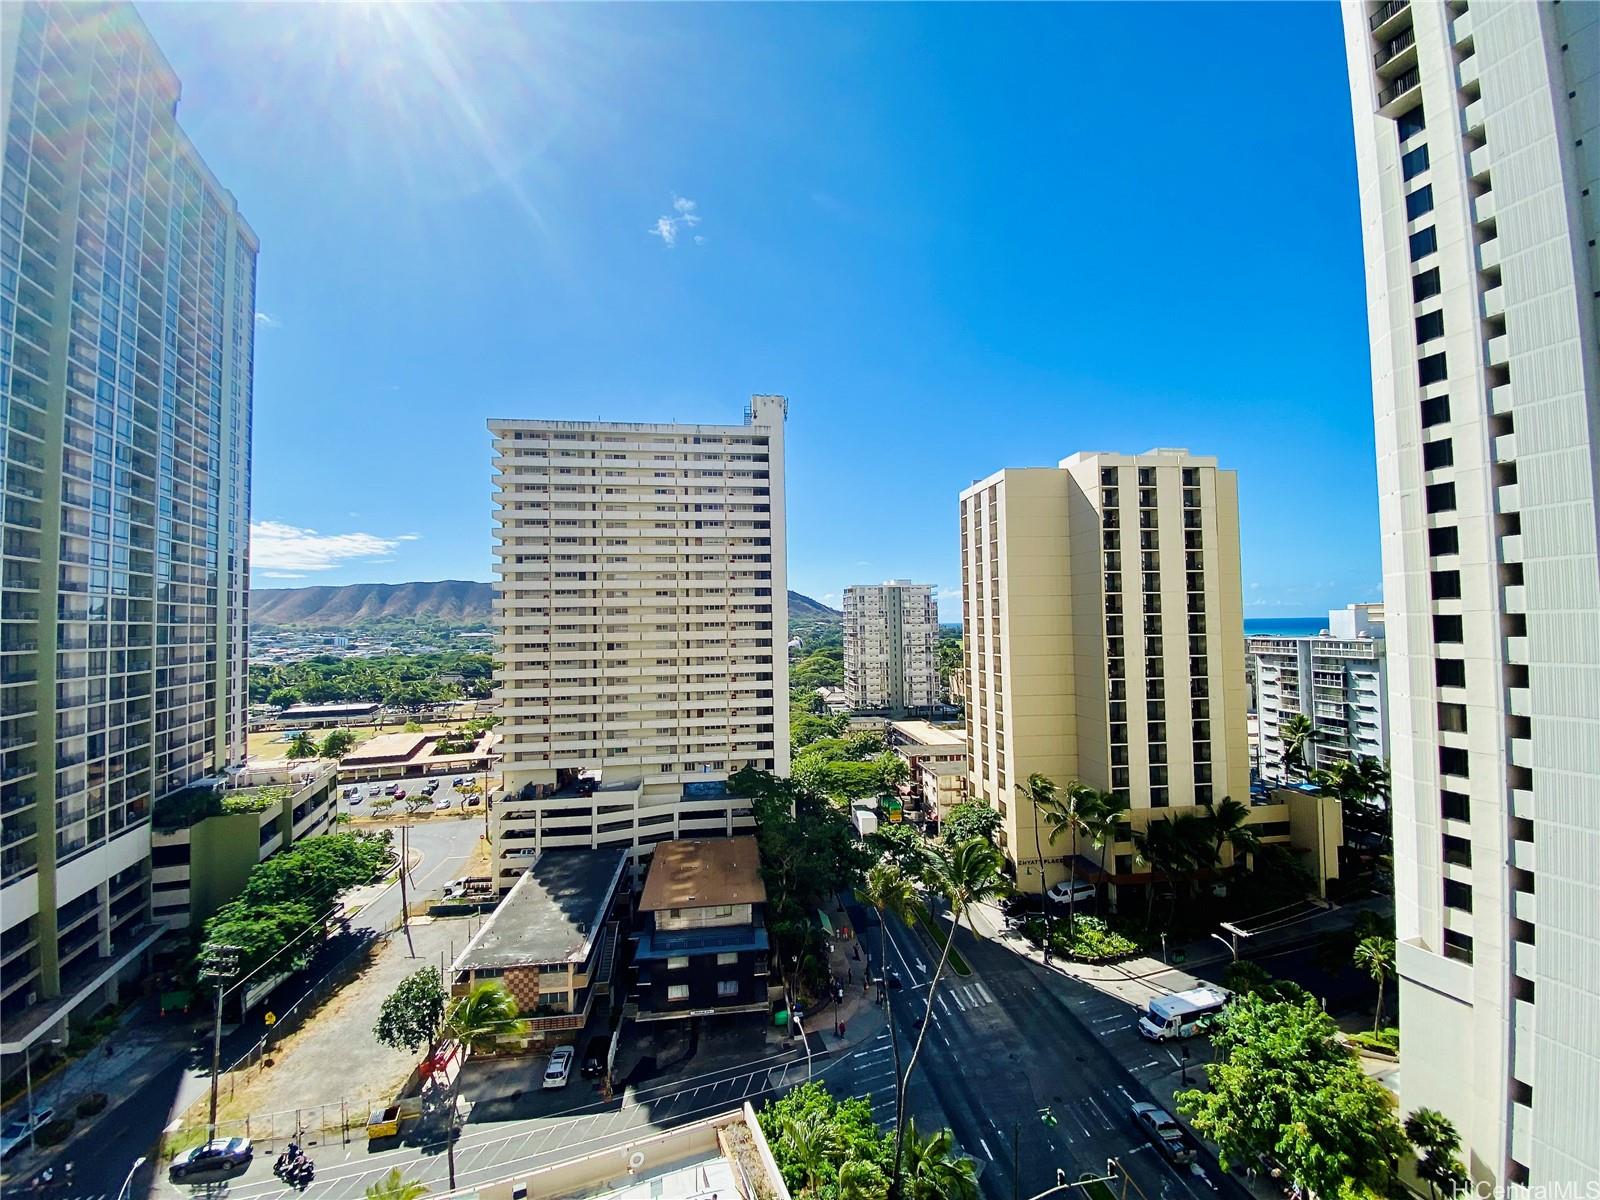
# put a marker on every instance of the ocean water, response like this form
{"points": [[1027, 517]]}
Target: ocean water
{"points": [[1284, 626]]}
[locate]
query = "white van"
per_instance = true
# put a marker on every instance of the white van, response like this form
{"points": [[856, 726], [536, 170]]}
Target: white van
{"points": [[1182, 1015]]}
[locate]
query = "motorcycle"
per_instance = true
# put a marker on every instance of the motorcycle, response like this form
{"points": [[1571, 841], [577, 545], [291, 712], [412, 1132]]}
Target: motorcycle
{"points": [[294, 1168]]}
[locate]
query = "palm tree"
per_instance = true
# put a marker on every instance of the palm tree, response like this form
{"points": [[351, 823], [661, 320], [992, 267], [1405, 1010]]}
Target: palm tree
{"points": [[1297, 733], [395, 1186], [1040, 792], [1430, 1131], [1375, 956], [935, 1171], [889, 890], [966, 874], [1155, 845], [810, 1141], [302, 745], [1229, 824], [1102, 823], [483, 1016], [860, 1181]]}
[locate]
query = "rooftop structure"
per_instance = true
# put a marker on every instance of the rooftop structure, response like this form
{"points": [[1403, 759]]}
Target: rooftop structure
{"points": [[553, 913], [702, 873]]}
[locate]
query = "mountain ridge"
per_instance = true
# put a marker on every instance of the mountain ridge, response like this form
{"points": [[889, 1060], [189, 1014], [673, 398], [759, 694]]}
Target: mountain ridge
{"points": [[453, 601]]}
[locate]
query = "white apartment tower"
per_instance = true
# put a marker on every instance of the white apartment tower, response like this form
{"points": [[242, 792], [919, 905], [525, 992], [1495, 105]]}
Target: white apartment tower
{"points": [[127, 317], [642, 616], [891, 646], [1478, 156], [1337, 679], [1104, 640]]}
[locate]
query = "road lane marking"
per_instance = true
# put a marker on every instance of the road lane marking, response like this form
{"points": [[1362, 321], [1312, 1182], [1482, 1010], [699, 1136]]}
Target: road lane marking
{"points": [[986, 1149], [959, 1003], [1124, 1091], [1104, 1119], [984, 992]]}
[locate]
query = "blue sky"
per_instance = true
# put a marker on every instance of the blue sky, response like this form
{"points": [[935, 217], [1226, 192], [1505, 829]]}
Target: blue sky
{"points": [[958, 238]]}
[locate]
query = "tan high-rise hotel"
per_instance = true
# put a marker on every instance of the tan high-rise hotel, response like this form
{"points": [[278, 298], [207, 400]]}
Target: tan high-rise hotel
{"points": [[1104, 640], [642, 615]]}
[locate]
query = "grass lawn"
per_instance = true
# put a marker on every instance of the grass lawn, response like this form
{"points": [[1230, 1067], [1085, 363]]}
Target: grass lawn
{"points": [[1095, 1189], [273, 743], [935, 930]]}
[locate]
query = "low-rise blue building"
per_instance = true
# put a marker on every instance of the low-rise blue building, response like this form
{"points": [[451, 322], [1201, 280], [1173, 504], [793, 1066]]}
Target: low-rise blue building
{"points": [[702, 935]]}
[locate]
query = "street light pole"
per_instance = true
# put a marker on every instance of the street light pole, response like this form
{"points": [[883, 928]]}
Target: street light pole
{"points": [[137, 1163], [222, 964]]}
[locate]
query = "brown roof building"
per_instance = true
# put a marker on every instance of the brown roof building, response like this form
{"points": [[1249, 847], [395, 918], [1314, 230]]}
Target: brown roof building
{"points": [[703, 873]]}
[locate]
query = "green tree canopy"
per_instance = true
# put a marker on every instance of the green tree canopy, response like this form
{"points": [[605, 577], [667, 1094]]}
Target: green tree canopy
{"points": [[337, 744], [411, 1014], [1282, 1084], [967, 820], [813, 1135], [302, 745]]}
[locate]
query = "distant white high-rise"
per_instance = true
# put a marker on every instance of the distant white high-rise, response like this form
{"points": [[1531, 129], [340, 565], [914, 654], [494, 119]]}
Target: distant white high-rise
{"points": [[891, 645], [642, 615], [1478, 155], [1336, 678]]}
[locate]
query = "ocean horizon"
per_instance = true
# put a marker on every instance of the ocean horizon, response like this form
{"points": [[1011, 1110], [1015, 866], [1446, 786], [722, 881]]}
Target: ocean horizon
{"points": [[1284, 626]]}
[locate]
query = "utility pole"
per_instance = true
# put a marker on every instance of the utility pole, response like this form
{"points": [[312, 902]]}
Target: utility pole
{"points": [[221, 965], [405, 903]]}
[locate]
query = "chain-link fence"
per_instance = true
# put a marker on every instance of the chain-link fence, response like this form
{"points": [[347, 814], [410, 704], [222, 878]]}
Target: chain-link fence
{"points": [[317, 1124], [292, 1017]]}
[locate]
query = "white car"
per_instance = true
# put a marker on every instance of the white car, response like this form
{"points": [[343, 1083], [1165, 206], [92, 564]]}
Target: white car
{"points": [[559, 1068], [375, 790], [1063, 892], [442, 803], [16, 1131]]}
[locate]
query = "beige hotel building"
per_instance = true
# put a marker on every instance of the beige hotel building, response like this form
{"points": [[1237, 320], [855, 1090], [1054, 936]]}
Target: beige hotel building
{"points": [[1104, 640], [642, 626]]}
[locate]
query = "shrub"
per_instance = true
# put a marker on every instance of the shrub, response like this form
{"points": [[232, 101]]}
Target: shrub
{"points": [[1386, 1039], [53, 1133], [1092, 940], [94, 1102]]}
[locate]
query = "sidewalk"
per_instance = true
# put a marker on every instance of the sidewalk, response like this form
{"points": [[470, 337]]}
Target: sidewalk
{"points": [[142, 1046], [858, 1012]]}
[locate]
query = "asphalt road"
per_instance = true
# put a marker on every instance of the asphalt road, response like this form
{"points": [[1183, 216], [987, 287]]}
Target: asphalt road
{"points": [[1004, 1045], [135, 1122]]}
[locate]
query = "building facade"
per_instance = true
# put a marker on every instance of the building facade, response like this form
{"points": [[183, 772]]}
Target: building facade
{"points": [[641, 616], [127, 315], [552, 943], [1478, 157], [702, 945], [891, 646], [1104, 640], [1337, 679], [936, 764], [206, 841]]}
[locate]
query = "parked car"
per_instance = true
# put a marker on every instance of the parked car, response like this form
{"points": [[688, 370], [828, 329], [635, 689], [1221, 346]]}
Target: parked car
{"points": [[559, 1069], [394, 789], [399, 793], [459, 781], [16, 1131], [1164, 1133], [1062, 892], [430, 787], [375, 790], [442, 804], [473, 801], [222, 1154], [593, 1067]]}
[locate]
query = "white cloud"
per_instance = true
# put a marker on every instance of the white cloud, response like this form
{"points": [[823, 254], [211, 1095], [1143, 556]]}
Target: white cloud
{"points": [[682, 216], [280, 575], [409, 537], [277, 547], [268, 321]]}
